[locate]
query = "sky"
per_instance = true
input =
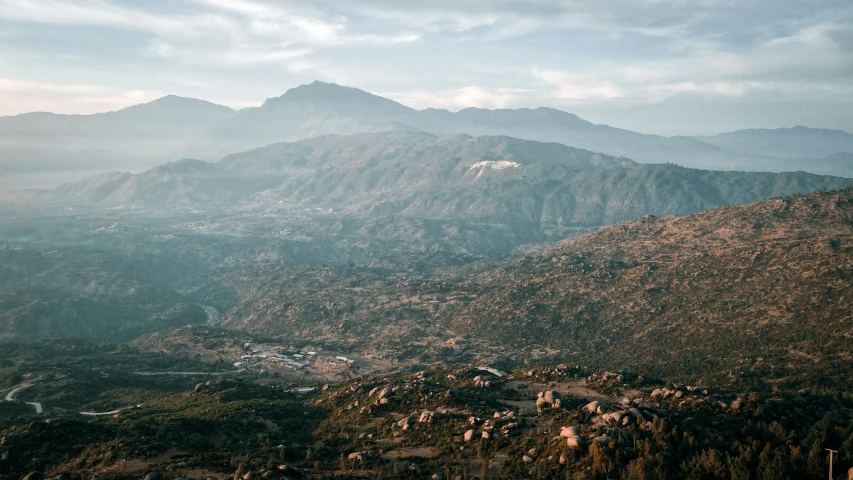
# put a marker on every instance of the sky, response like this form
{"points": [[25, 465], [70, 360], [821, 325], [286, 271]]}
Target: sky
{"points": [[678, 67]]}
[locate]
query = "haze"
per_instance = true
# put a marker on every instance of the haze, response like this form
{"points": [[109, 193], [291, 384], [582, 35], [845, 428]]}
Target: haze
{"points": [[670, 68], [514, 239]]}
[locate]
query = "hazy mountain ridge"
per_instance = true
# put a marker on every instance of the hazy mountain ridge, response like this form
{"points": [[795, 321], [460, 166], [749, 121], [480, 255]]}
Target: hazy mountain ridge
{"points": [[145, 135], [483, 179], [790, 143]]}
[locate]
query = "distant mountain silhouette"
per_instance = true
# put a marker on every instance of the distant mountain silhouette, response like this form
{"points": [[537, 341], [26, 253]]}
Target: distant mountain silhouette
{"points": [[173, 127], [792, 143]]}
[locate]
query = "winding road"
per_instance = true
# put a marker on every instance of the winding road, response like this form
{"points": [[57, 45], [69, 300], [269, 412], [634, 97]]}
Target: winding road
{"points": [[39, 408], [11, 397]]}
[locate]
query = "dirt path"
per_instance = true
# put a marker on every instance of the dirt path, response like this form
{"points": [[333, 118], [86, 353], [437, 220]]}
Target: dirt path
{"points": [[179, 373], [98, 414]]}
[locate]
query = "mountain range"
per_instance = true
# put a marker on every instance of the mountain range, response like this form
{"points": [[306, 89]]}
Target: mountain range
{"points": [[147, 135], [488, 179]]}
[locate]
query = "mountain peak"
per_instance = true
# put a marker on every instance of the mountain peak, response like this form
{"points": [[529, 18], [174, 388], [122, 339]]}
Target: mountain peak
{"points": [[323, 93], [178, 105]]}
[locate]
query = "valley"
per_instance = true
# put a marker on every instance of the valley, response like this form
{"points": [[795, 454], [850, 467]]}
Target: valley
{"points": [[361, 354], [403, 304]]}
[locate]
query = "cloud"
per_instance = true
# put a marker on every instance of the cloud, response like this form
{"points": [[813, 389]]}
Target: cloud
{"points": [[578, 54], [455, 99], [18, 96], [806, 61], [578, 87], [238, 32]]}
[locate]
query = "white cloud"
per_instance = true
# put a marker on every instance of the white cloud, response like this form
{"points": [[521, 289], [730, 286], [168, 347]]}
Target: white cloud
{"points": [[455, 99], [238, 32], [577, 87], [435, 53], [17, 96]]}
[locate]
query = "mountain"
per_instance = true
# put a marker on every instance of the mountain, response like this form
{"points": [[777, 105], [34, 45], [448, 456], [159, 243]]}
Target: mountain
{"points": [[490, 179], [304, 112], [139, 137], [320, 108], [550, 125], [132, 138], [702, 293], [790, 143], [840, 164]]}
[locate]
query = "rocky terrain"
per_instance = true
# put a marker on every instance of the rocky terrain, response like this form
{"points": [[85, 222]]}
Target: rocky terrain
{"points": [[402, 304], [752, 293], [463, 421], [768, 283]]}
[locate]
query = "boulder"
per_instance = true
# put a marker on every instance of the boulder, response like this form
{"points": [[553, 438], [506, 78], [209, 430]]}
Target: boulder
{"points": [[198, 387], [573, 442], [406, 421], [850, 474], [551, 396], [10, 438], [468, 436], [540, 402], [426, 417], [362, 456], [287, 470], [592, 407], [527, 459], [152, 476], [486, 435], [572, 431], [384, 393]]}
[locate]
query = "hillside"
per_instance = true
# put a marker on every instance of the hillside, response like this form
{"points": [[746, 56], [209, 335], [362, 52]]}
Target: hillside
{"points": [[768, 284], [499, 180]]}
